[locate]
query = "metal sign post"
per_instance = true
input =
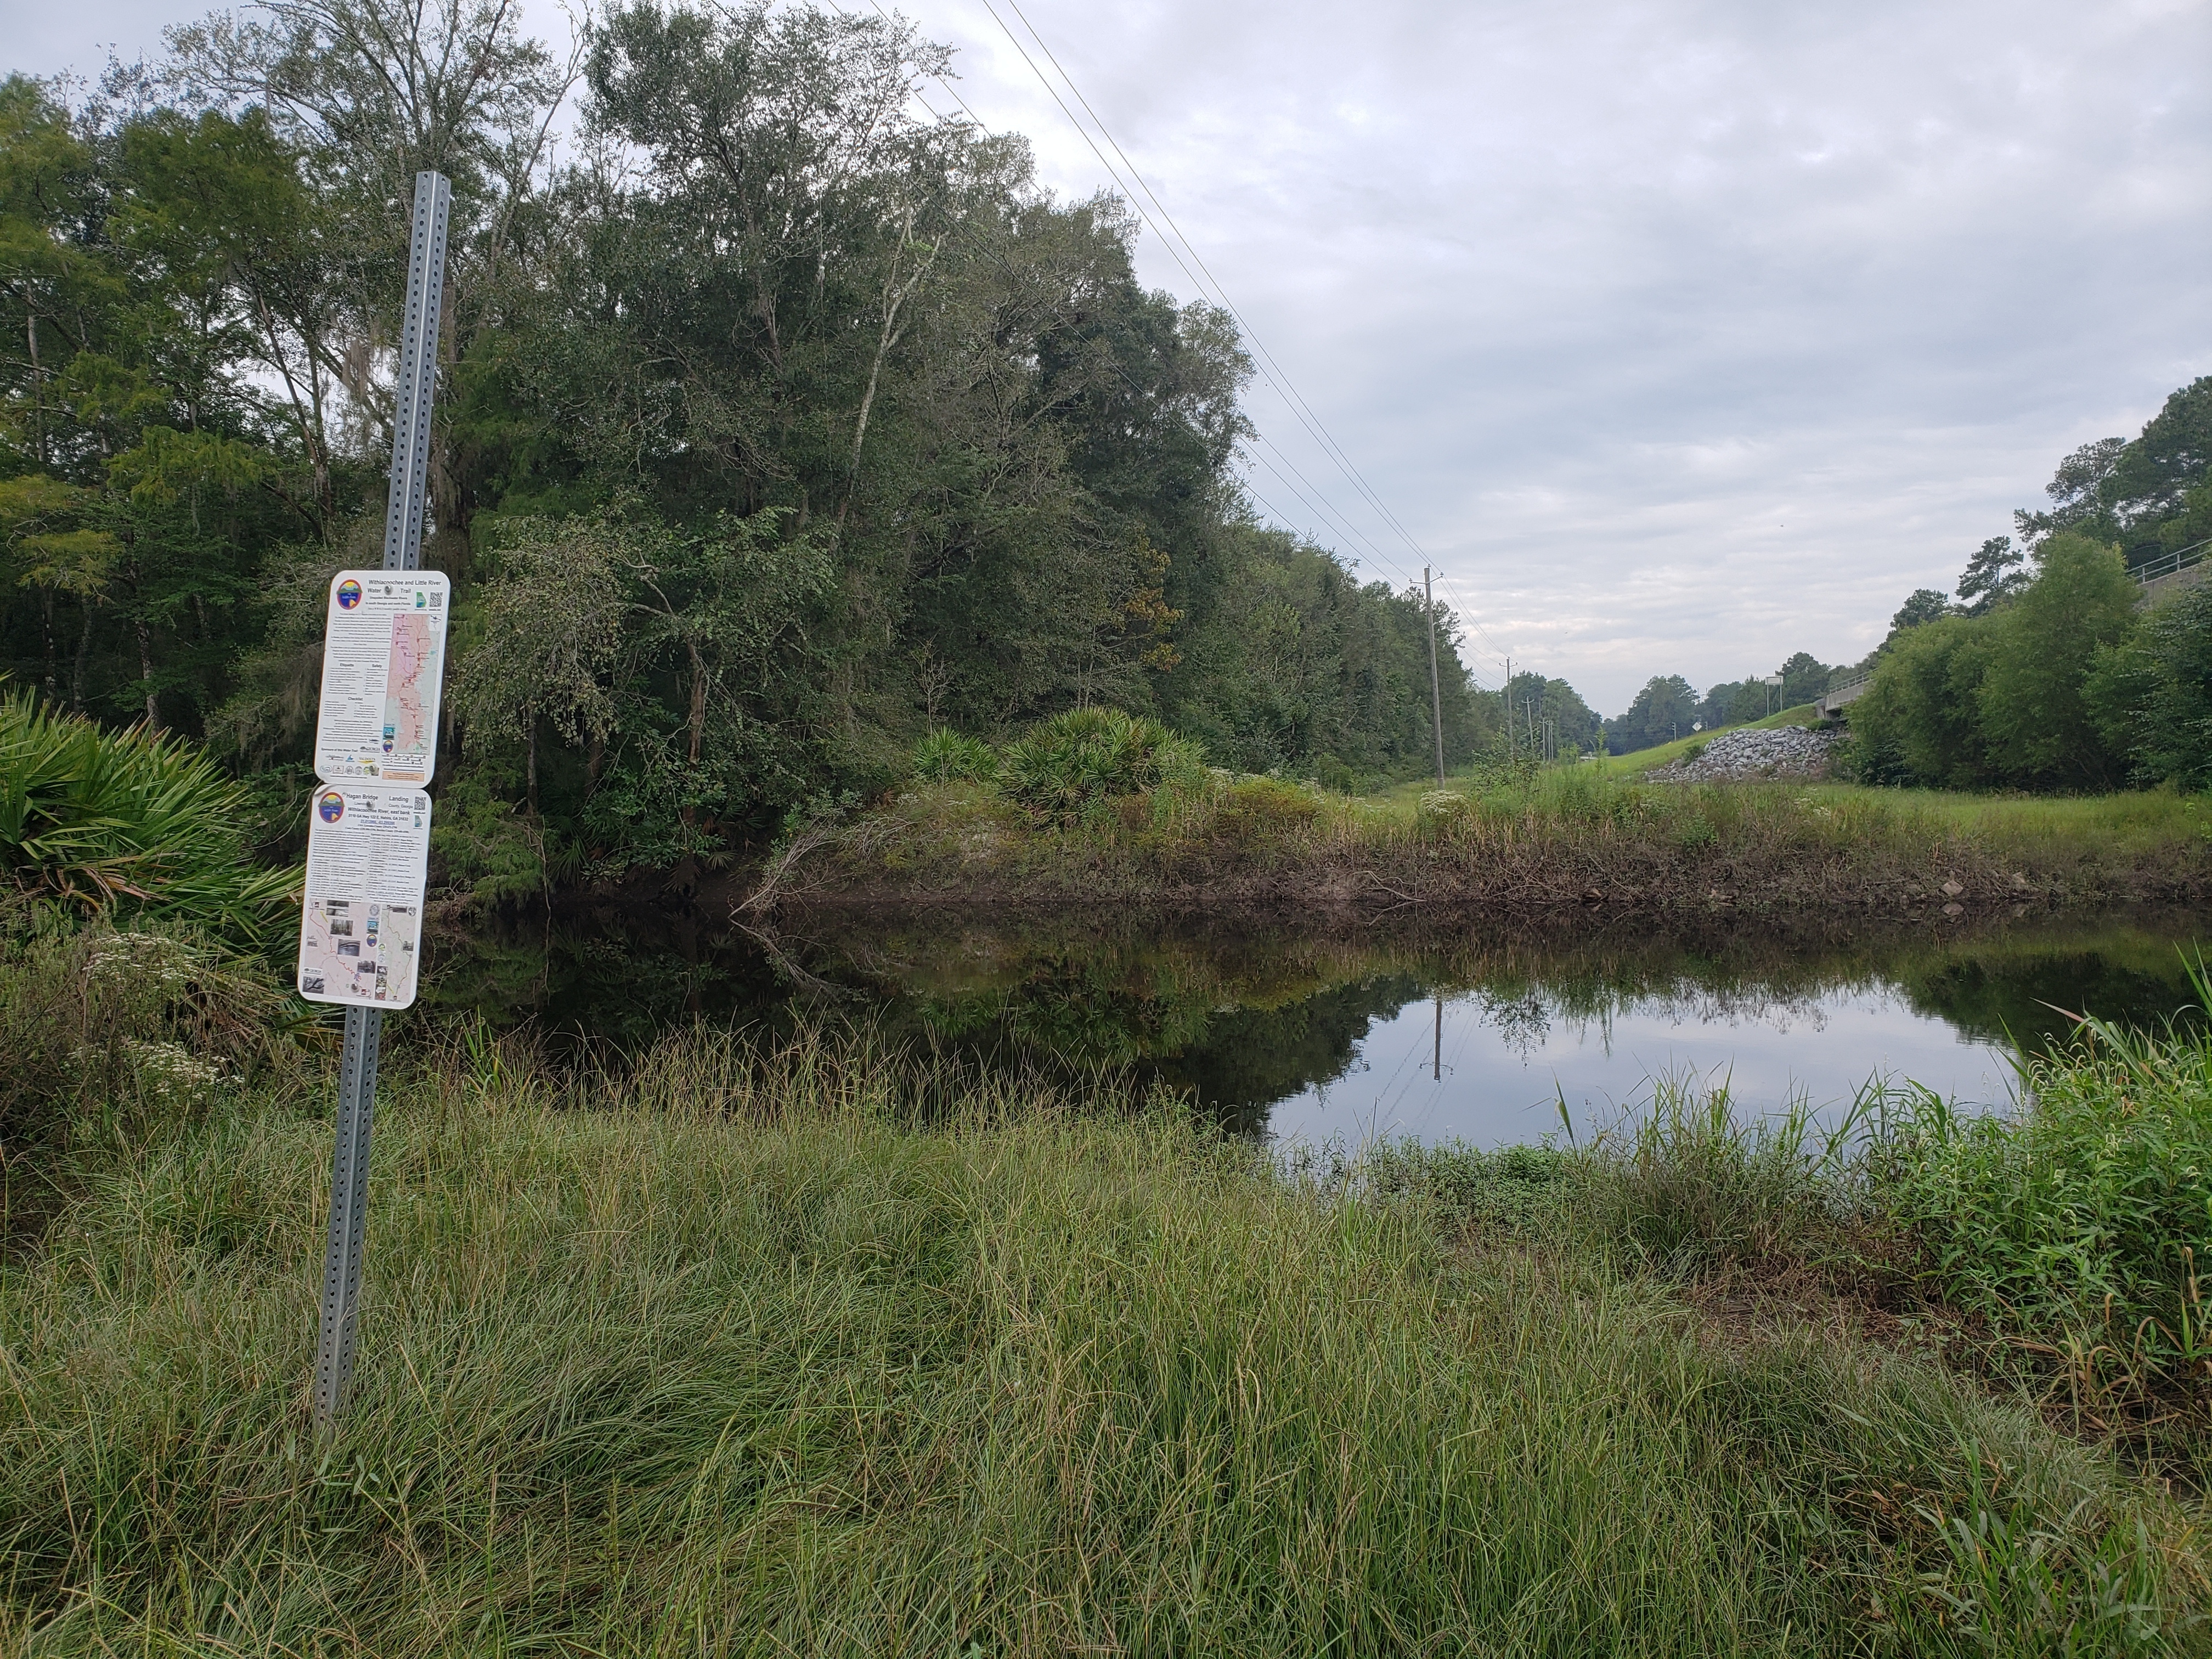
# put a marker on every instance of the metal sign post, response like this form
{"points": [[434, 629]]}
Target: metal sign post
{"points": [[364, 1027]]}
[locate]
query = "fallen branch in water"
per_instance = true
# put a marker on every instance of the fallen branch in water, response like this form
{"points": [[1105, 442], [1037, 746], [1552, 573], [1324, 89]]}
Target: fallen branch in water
{"points": [[820, 831]]}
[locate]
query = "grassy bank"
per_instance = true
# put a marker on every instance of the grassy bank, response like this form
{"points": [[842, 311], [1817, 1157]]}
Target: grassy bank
{"points": [[812, 1351], [1551, 848]]}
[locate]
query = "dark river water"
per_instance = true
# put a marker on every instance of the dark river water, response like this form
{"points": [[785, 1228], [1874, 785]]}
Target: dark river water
{"points": [[1492, 1041]]}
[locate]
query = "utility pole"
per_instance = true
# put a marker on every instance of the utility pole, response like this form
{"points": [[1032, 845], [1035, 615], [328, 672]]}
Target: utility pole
{"points": [[1506, 702], [1436, 693], [364, 1027]]}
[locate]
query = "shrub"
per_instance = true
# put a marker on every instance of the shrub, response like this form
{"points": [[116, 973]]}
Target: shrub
{"points": [[1263, 808], [1442, 806], [1696, 833], [949, 756], [1063, 764], [2152, 694], [1917, 721], [113, 1027], [134, 822]]}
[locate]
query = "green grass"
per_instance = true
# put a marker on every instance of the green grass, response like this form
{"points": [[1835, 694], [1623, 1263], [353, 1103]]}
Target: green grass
{"points": [[812, 1352], [2083, 1222], [2138, 820]]}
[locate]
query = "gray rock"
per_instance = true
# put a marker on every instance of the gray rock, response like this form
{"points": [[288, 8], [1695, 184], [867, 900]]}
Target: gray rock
{"points": [[1788, 751]]}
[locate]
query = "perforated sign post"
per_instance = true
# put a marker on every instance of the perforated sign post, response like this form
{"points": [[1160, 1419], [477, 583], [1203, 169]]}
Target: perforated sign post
{"points": [[368, 831]]}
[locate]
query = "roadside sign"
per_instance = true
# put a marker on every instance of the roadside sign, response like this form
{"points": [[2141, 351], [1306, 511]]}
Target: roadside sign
{"points": [[361, 929], [384, 658]]}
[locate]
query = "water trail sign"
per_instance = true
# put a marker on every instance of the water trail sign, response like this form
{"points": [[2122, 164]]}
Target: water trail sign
{"points": [[384, 657], [368, 835], [360, 934]]}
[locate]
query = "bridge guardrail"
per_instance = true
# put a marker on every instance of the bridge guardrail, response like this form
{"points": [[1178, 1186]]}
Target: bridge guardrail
{"points": [[2179, 559]]}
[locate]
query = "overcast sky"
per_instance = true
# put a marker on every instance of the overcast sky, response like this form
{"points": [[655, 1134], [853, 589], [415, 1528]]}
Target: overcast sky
{"points": [[1680, 336]]}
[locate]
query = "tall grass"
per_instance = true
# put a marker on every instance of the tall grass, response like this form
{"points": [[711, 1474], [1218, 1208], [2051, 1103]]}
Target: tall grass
{"points": [[2081, 1223], [736, 1352], [1555, 844]]}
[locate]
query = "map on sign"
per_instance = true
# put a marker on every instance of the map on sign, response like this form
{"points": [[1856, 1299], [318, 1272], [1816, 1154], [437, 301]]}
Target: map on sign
{"points": [[384, 658], [360, 933]]}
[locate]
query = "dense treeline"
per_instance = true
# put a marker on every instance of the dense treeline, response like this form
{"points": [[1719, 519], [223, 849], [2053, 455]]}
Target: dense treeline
{"points": [[776, 429], [1669, 705], [2065, 685], [2047, 671]]}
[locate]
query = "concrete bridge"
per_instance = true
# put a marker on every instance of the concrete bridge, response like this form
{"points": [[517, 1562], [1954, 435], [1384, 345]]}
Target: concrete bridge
{"points": [[1831, 702]]}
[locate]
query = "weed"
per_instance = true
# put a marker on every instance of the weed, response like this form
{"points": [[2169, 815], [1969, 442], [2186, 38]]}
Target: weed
{"points": [[2086, 1210]]}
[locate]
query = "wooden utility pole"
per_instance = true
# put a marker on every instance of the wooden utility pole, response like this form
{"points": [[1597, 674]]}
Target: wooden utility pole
{"points": [[1436, 692]]}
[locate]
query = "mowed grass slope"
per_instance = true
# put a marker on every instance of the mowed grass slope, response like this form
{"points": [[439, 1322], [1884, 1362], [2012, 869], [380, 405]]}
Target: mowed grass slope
{"points": [[738, 1354]]}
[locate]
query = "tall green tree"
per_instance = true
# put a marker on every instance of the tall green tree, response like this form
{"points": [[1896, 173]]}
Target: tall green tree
{"points": [[2033, 706], [1919, 722], [1666, 708], [2151, 694]]}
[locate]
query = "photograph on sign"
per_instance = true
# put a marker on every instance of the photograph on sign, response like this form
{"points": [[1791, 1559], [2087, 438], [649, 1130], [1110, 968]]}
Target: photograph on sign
{"points": [[384, 658], [360, 930]]}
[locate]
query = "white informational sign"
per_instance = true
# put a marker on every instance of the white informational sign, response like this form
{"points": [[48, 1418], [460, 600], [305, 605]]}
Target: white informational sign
{"points": [[360, 934], [384, 661]]}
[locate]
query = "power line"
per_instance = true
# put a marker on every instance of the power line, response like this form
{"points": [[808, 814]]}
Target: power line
{"points": [[1271, 369], [1338, 519], [1286, 388]]}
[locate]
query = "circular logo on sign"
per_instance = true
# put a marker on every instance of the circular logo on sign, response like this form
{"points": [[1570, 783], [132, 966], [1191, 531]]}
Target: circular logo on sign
{"points": [[331, 806], [348, 594]]}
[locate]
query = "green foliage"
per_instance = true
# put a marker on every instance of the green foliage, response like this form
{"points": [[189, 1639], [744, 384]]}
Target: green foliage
{"points": [[1919, 722], [947, 756], [1690, 1184], [2152, 693], [1663, 710], [1253, 810], [1064, 764], [2132, 492], [131, 822], [1992, 576], [2007, 697], [2086, 1212], [1295, 659], [816, 428], [728, 1350], [2033, 716], [1532, 700], [1925, 604], [109, 1031]]}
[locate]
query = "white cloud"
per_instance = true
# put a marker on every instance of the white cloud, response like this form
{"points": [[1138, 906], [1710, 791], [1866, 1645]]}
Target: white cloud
{"points": [[1682, 333]]}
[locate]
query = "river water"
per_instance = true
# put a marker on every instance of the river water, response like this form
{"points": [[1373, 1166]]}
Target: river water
{"points": [[1314, 1039]]}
